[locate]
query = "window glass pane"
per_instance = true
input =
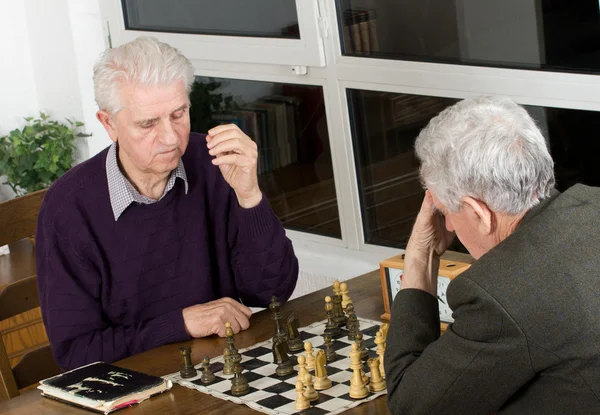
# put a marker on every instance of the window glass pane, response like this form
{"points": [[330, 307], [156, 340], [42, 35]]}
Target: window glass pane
{"points": [[289, 125], [529, 34], [256, 18], [385, 126]]}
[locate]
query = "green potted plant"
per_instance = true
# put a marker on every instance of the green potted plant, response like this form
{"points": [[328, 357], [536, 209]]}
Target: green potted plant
{"points": [[35, 156]]}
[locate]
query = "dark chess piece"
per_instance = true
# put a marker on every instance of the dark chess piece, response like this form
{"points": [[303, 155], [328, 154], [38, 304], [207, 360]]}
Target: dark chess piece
{"points": [[352, 323], [364, 353], [331, 327], [239, 383], [187, 368], [280, 333], [227, 362], [338, 311], [330, 354], [295, 343], [230, 340], [281, 358], [207, 375]]}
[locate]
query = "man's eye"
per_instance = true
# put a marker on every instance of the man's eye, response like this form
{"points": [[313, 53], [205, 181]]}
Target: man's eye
{"points": [[146, 126], [177, 115]]}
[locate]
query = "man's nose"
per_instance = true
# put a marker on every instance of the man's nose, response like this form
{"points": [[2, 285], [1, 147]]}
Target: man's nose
{"points": [[168, 136]]}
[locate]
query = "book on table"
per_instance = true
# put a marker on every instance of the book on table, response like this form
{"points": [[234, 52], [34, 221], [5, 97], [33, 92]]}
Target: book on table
{"points": [[103, 387]]}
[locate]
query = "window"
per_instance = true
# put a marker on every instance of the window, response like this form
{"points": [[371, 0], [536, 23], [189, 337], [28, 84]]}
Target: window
{"points": [[289, 125], [528, 34]]}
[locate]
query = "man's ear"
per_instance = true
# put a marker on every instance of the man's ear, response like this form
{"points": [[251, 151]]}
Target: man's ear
{"points": [[109, 124], [482, 215]]}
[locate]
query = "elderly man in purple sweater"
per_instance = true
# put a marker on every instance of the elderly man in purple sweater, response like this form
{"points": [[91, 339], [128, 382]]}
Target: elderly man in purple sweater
{"points": [[162, 236]]}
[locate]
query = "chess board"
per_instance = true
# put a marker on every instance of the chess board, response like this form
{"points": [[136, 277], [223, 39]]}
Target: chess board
{"points": [[276, 395]]}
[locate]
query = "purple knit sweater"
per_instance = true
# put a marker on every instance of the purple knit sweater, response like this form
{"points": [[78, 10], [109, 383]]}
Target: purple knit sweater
{"points": [[110, 289]]}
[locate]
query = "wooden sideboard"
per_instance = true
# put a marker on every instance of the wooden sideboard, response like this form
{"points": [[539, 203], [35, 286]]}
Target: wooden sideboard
{"points": [[26, 331]]}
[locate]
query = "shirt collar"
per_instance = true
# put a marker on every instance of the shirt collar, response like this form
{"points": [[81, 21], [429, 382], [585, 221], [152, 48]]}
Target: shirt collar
{"points": [[122, 193]]}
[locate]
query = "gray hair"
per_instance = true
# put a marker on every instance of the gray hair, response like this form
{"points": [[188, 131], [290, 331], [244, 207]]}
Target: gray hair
{"points": [[488, 148], [143, 61]]}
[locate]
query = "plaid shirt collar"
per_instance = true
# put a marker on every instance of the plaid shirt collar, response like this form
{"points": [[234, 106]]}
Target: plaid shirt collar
{"points": [[122, 193]]}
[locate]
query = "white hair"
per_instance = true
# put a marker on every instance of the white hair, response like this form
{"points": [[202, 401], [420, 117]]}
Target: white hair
{"points": [[487, 148], [143, 61]]}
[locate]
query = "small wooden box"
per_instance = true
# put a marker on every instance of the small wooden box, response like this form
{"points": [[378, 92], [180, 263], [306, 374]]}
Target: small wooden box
{"points": [[391, 270]]}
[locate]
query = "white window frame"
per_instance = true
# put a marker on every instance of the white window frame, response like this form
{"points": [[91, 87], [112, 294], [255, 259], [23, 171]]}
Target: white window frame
{"points": [[306, 51], [527, 87]]}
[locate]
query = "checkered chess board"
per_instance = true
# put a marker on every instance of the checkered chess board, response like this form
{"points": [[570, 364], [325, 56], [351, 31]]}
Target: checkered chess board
{"points": [[276, 395]]}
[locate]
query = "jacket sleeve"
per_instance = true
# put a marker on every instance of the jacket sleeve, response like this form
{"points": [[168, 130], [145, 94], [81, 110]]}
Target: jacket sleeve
{"points": [[263, 259], [475, 367], [70, 287]]}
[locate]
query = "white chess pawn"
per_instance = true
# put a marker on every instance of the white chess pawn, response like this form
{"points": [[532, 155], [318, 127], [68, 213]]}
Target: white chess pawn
{"points": [[301, 368], [302, 402], [377, 383], [310, 393], [310, 359], [345, 297]]}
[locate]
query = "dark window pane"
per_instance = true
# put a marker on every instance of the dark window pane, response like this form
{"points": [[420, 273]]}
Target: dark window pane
{"points": [[530, 34], [256, 18], [289, 125], [385, 126]]}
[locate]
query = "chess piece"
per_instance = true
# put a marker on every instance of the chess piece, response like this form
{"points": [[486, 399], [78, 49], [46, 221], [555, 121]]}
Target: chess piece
{"points": [[380, 342], [301, 402], [281, 358], [230, 340], [187, 368], [330, 354], [364, 353], [331, 327], [294, 340], [338, 311], [280, 333], [352, 323], [377, 384], [310, 359], [310, 392], [207, 375], [239, 383], [322, 382], [358, 390], [384, 330], [301, 368], [345, 297], [227, 362]]}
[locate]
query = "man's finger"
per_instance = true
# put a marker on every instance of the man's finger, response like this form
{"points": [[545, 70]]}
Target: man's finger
{"points": [[220, 128], [235, 160], [235, 146]]}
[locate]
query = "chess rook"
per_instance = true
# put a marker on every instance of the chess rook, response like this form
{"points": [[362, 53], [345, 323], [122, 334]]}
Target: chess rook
{"points": [[187, 368]]}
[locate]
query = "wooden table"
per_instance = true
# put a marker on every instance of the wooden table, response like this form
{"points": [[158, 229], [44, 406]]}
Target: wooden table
{"points": [[365, 292]]}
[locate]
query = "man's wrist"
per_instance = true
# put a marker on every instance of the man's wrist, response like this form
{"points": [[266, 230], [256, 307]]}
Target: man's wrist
{"points": [[421, 268], [249, 202]]}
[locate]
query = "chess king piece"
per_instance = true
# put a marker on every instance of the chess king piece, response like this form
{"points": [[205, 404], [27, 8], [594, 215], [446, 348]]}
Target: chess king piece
{"points": [[187, 368], [310, 359], [207, 375], [358, 390], [338, 311], [239, 383], [310, 392], [281, 358], [294, 340], [331, 327], [301, 402], [364, 353], [345, 297], [227, 362], [330, 354], [280, 333], [352, 323], [230, 340], [322, 382], [380, 342], [377, 384]]}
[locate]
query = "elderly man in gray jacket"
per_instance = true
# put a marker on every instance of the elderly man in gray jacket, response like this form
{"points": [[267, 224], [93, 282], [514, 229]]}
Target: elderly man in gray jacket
{"points": [[526, 331]]}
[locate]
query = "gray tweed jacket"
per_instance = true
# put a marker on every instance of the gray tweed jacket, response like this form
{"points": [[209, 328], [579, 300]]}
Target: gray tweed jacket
{"points": [[526, 336]]}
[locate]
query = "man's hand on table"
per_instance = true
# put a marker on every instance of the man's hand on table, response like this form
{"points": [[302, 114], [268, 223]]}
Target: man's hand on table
{"points": [[203, 320]]}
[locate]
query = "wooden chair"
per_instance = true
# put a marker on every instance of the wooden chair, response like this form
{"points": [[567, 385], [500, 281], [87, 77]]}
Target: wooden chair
{"points": [[18, 218]]}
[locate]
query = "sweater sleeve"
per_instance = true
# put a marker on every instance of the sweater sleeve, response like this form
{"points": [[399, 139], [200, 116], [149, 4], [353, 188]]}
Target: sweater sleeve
{"points": [[70, 291], [263, 259], [474, 368]]}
